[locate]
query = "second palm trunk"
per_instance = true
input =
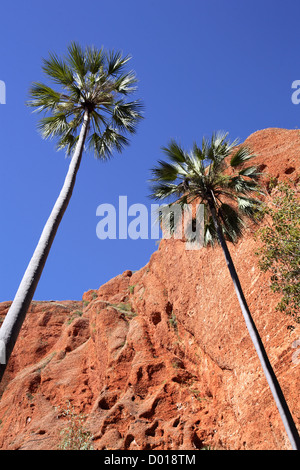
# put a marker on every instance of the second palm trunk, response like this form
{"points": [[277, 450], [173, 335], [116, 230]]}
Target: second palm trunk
{"points": [[282, 406]]}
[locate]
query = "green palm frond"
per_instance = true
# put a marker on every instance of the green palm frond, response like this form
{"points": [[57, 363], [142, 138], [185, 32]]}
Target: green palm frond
{"points": [[44, 98], [58, 70], [124, 115], [215, 152], [251, 171], [115, 62], [232, 223], [210, 234], [77, 59], [197, 151], [163, 191], [251, 207], [90, 80], [242, 155], [242, 185], [165, 171], [67, 142], [126, 83], [214, 174], [94, 59], [175, 152], [103, 145], [52, 126]]}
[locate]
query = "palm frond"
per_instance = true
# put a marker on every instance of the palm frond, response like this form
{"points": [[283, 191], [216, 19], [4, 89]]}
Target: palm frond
{"points": [[251, 171], [52, 126], [77, 60], [115, 62], [164, 190], [232, 223], [217, 153], [126, 83], [58, 70], [251, 207], [165, 172], [44, 98], [67, 142], [99, 121], [242, 155], [175, 152], [197, 151], [241, 185], [210, 234], [219, 143], [94, 59], [125, 115], [76, 93], [104, 144]]}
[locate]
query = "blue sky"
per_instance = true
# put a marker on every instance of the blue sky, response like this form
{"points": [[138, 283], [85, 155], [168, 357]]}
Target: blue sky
{"points": [[202, 66]]}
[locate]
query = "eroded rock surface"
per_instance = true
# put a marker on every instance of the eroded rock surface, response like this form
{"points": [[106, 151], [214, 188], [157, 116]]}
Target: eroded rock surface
{"points": [[160, 358]]}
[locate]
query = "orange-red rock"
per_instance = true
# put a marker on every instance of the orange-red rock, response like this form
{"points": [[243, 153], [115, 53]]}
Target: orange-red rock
{"points": [[160, 358]]}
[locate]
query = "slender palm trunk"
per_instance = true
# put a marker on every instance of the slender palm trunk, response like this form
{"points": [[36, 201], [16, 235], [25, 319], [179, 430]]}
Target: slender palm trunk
{"points": [[15, 316], [267, 368]]}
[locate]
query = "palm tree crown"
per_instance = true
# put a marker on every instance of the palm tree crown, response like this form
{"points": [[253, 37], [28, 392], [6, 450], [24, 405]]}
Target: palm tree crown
{"points": [[215, 175], [91, 81]]}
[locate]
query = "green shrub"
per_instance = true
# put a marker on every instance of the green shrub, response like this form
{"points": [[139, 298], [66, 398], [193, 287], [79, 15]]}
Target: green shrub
{"points": [[75, 314], [126, 309], [74, 436], [280, 253]]}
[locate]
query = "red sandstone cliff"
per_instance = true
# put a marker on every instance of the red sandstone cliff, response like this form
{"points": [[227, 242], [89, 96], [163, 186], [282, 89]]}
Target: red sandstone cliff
{"points": [[160, 358]]}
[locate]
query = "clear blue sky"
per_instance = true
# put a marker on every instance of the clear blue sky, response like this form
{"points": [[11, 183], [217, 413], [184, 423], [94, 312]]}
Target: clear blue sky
{"points": [[203, 65]]}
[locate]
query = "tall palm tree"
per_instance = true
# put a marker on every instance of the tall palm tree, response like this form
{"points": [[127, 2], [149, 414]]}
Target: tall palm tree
{"points": [[89, 109], [217, 176]]}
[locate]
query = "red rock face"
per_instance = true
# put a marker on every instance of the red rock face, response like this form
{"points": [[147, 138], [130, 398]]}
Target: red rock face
{"points": [[161, 358]]}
